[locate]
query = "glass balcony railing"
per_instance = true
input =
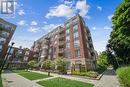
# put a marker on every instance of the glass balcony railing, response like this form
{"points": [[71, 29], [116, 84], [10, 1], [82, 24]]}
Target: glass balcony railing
{"points": [[2, 40], [4, 34]]}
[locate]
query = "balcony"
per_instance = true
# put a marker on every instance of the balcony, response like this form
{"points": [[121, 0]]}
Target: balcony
{"points": [[4, 34], [61, 35], [61, 50], [5, 28], [45, 47], [61, 43], [2, 41]]}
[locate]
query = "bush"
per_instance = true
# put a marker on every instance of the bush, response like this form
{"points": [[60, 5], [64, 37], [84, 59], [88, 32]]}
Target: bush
{"points": [[32, 64], [124, 75], [100, 69], [88, 74], [61, 64]]}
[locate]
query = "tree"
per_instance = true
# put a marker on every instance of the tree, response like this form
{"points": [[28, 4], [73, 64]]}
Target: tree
{"points": [[119, 42], [61, 65], [102, 59], [32, 64], [47, 65]]}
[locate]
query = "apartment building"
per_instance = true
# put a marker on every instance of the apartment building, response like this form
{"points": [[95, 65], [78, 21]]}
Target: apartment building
{"points": [[6, 32], [51, 45], [18, 57], [72, 41]]}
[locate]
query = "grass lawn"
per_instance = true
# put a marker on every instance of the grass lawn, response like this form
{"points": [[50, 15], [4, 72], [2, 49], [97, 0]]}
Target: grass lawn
{"points": [[1, 82], [61, 82], [30, 75]]}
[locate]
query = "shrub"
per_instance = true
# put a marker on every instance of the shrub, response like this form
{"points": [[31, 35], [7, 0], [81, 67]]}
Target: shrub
{"points": [[88, 74], [100, 69], [124, 75], [32, 64], [61, 64]]}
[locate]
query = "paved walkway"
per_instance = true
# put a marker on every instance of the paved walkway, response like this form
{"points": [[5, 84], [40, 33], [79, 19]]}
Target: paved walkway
{"points": [[109, 79], [15, 80]]}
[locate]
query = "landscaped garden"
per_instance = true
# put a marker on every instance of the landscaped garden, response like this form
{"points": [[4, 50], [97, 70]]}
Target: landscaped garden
{"points": [[31, 75], [88, 74], [62, 82], [124, 76]]}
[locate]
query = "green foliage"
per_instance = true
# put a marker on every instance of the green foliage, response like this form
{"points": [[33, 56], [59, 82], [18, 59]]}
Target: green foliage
{"points": [[31, 75], [32, 64], [102, 59], [100, 69], [62, 82], [88, 74], [61, 64], [119, 42], [124, 75], [102, 62], [46, 64]]}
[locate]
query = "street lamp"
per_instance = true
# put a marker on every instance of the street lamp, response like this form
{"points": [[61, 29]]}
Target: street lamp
{"points": [[6, 58]]}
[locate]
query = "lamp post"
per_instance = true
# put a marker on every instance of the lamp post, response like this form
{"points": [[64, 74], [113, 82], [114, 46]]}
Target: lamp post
{"points": [[6, 58]]}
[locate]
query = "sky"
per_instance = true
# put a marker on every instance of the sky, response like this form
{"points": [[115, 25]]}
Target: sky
{"points": [[35, 18]]}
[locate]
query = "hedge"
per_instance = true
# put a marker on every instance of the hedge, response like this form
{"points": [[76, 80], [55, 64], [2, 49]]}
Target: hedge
{"points": [[124, 75]]}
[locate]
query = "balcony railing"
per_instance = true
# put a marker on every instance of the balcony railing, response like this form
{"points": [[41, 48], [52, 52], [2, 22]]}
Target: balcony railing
{"points": [[62, 36], [61, 50], [61, 42]]}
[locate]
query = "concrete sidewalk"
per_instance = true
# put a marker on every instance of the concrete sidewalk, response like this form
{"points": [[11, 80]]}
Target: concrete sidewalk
{"points": [[15, 80], [109, 79]]}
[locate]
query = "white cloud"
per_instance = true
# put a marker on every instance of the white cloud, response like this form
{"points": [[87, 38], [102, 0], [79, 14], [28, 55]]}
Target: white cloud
{"points": [[60, 11], [110, 17], [33, 29], [69, 3], [99, 8], [100, 46], [50, 27], [94, 28], [21, 12], [67, 9], [88, 17], [107, 28], [21, 23], [83, 7], [33, 23]]}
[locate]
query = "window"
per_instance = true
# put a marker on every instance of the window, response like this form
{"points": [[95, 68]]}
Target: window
{"points": [[67, 38], [75, 20], [77, 53], [68, 24], [76, 43], [76, 34], [0, 46], [67, 54], [75, 27], [67, 31], [67, 45]]}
